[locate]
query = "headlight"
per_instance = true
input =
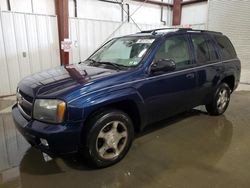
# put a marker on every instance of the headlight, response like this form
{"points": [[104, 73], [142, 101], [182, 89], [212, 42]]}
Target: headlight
{"points": [[49, 110]]}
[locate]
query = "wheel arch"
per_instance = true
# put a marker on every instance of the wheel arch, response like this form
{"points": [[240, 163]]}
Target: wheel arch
{"points": [[230, 81], [127, 100]]}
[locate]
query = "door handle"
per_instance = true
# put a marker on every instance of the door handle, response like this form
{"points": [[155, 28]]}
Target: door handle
{"points": [[190, 76]]}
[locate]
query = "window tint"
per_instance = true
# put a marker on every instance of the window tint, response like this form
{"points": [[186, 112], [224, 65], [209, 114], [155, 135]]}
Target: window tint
{"points": [[203, 49], [226, 48], [175, 48]]}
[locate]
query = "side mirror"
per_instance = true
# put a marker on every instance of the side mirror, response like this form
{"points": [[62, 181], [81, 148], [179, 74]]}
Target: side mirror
{"points": [[163, 65]]}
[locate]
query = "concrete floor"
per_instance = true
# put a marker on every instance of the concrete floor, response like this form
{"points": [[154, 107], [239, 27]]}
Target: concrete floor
{"points": [[190, 150]]}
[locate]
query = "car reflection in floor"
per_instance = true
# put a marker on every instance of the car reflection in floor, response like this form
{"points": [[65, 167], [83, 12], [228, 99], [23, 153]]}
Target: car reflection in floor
{"points": [[189, 150]]}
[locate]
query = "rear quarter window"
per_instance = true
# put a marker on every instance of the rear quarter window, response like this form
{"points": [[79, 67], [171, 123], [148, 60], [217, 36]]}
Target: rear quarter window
{"points": [[203, 49], [226, 48]]}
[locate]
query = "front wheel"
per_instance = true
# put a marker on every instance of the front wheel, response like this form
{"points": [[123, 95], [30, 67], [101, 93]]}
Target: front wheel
{"points": [[220, 100], [109, 138]]}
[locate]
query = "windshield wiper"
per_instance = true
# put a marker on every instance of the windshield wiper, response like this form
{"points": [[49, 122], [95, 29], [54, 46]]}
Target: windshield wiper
{"points": [[94, 62], [112, 64]]}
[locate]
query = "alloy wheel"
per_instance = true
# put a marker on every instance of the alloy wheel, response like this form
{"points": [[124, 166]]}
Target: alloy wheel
{"points": [[112, 140], [223, 99]]}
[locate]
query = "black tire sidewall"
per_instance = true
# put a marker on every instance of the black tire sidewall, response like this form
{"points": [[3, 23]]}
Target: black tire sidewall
{"points": [[97, 124]]}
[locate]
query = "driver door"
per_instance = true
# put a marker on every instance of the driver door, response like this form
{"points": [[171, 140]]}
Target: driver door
{"points": [[168, 93]]}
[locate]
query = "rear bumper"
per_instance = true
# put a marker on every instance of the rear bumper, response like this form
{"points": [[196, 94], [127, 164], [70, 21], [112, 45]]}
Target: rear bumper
{"points": [[62, 139]]}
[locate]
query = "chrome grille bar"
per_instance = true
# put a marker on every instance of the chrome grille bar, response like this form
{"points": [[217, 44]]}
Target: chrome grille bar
{"points": [[23, 112], [24, 106]]}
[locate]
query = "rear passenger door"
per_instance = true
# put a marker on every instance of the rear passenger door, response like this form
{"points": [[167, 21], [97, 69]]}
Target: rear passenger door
{"points": [[207, 65]]}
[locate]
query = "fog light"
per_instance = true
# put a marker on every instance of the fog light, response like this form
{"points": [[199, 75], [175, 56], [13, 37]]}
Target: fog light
{"points": [[44, 142]]}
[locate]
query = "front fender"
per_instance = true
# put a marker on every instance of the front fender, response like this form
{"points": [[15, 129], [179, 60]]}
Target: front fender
{"points": [[93, 102]]}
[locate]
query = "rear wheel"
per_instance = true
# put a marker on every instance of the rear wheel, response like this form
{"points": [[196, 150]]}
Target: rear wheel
{"points": [[220, 100], [109, 138]]}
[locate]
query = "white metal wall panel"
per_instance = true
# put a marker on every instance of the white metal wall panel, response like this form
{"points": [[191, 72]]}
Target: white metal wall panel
{"points": [[87, 35], [232, 18], [92, 33], [103, 10], [73, 32], [21, 6], [10, 50], [83, 39], [112, 12], [43, 41], [22, 45], [4, 81], [72, 10], [28, 43], [139, 11], [44, 7], [32, 39], [3, 5], [194, 13], [53, 40]]}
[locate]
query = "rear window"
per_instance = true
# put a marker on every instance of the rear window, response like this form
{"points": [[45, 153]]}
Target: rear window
{"points": [[226, 48], [204, 49]]}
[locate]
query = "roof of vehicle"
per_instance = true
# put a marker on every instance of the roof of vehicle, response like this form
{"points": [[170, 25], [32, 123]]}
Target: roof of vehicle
{"points": [[164, 31]]}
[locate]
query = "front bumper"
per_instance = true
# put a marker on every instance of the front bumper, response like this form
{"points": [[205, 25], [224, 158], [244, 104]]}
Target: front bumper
{"points": [[62, 139]]}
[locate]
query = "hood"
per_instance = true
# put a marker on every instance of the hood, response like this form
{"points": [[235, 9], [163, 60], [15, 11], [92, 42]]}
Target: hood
{"points": [[57, 81]]}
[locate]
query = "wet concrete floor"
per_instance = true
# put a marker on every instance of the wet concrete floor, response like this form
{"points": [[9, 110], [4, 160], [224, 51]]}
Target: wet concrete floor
{"points": [[189, 150]]}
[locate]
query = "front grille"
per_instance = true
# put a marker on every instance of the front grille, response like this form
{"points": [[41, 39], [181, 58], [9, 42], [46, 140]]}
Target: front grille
{"points": [[25, 104]]}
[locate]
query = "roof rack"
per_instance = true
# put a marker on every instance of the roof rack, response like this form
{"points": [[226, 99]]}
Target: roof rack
{"points": [[202, 31], [154, 31]]}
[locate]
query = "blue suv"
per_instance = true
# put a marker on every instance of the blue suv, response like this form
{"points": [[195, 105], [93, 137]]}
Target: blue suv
{"points": [[95, 107]]}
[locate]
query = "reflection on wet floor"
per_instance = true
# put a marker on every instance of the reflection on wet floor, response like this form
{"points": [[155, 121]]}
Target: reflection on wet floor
{"points": [[190, 150]]}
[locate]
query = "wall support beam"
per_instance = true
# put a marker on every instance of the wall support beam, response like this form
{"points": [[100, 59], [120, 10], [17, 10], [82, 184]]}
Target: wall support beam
{"points": [[192, 2], [177, 12], [62, 11], [155, 3]]}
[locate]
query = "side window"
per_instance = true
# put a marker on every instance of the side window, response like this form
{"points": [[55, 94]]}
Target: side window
{"points": [[226, 47], [203, 49], [175, 48]]}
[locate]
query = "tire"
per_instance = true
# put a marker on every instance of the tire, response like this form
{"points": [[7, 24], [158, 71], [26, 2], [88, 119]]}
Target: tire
{"points": [[220, 100], [109, 137]]}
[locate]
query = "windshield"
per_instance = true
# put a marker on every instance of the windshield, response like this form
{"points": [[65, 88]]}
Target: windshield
{"points": [[126, 52]]}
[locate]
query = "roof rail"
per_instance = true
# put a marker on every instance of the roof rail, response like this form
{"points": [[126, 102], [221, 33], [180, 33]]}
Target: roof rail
{"points": [[154, 31], [202, 31]]}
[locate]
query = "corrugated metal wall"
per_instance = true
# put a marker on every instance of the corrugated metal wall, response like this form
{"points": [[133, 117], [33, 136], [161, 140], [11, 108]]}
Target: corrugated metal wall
{"points": [[88, 34], [233, 19], [28, 44]]}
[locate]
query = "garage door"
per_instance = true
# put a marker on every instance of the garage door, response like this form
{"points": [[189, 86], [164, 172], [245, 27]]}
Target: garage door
{"points": [[232, 18]]}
